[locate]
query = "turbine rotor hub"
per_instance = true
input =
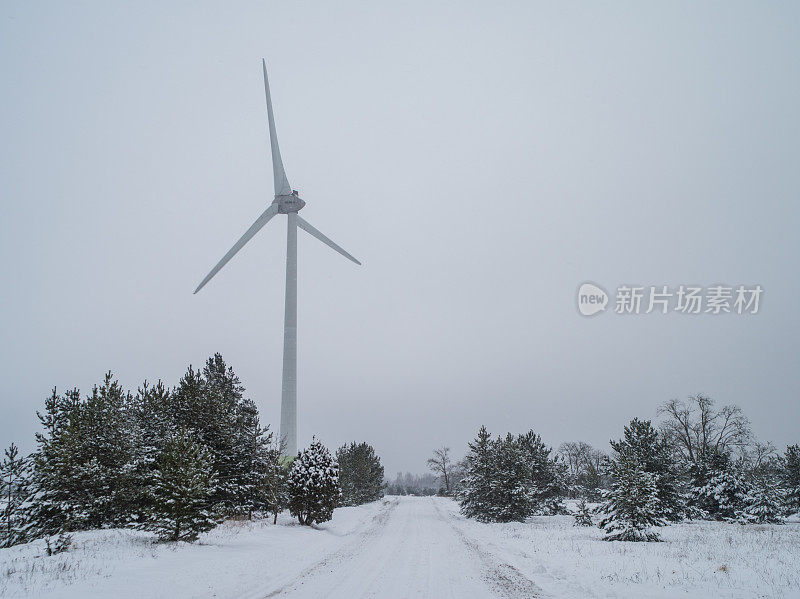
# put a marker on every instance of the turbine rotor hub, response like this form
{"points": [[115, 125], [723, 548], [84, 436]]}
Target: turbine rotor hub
{"points": [[289, 203]]}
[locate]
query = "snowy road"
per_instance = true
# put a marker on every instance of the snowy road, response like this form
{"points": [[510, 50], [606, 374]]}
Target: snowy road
{"points": [[410, 549], [396, 548]]}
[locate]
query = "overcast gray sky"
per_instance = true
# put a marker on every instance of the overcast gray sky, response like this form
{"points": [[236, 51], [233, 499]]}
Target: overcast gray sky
{"points": [[481, 159]]}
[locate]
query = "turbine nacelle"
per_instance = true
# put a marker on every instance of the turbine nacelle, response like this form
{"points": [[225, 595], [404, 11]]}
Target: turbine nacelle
{"points": [[287, 204]]}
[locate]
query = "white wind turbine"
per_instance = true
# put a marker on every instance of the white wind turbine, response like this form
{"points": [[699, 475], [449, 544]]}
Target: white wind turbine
{"points": [[287, 201]]}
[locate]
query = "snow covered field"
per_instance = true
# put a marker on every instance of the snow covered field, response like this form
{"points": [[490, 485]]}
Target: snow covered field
{"points": [[414, 547]]}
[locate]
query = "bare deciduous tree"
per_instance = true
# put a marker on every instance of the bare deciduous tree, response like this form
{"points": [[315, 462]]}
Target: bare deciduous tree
{"points": [[583, 464], [760, 454], [442, 465], [596, 459], [577, 455], [699, 431]]}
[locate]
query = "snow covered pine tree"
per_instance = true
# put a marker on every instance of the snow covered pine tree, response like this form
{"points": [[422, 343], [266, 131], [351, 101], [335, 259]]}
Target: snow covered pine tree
{"points": [[151, 428], [631, 505], [764, 501], [476, 497], [791, 478], [184, 487], [509, 478], [313, 485], [212, 406], [583, 517], [276, 478], [653, 453], [724, 495], [514, 495], [82, 467], [546, 475], [13, 495]]}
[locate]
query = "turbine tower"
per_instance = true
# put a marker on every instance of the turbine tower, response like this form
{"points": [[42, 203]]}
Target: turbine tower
{"points": [[286, 201]]}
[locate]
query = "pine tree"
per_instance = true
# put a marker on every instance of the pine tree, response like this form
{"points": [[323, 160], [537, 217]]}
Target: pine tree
{"points": [[360, 474], [591, 482], [510, 478], [46, 515], [476, 496], [631, 505], [791, 478], [98, 458], [701, 504], [14, 493], [211, 405], [105, 439], [276, 477], [655, 456], [151, 427], [185, 484], [558, 489], [514, 497], [228, 438], [764, 503], [313, 485], [724, 496], [584, 515], [82, 466], [55, 484], [546, 476], [204, 404], [251, 450]]}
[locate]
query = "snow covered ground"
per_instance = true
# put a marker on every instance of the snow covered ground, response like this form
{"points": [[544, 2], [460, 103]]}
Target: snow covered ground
{"points": [[414, 547]]}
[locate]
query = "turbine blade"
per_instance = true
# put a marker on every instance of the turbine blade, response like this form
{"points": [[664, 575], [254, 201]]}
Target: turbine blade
{"points": [[282, 187], [254, 228], [303, 224]]}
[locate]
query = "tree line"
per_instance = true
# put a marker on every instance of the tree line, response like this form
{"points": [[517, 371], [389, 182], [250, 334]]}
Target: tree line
{"points": [[175, 461], [699, 462], [414, 484]]}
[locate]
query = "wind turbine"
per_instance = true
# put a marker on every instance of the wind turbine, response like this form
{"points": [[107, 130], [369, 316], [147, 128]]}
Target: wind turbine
{"points": [[286, 201]]}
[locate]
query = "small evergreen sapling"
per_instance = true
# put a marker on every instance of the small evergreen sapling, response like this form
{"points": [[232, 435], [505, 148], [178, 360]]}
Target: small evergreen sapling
{"points": [[59, 544], [313, 485], [184, 486], [583, 517]]}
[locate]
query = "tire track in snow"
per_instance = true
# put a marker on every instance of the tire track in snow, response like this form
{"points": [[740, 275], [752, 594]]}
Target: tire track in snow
{"points": [[502, 576], [342, 554]]}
